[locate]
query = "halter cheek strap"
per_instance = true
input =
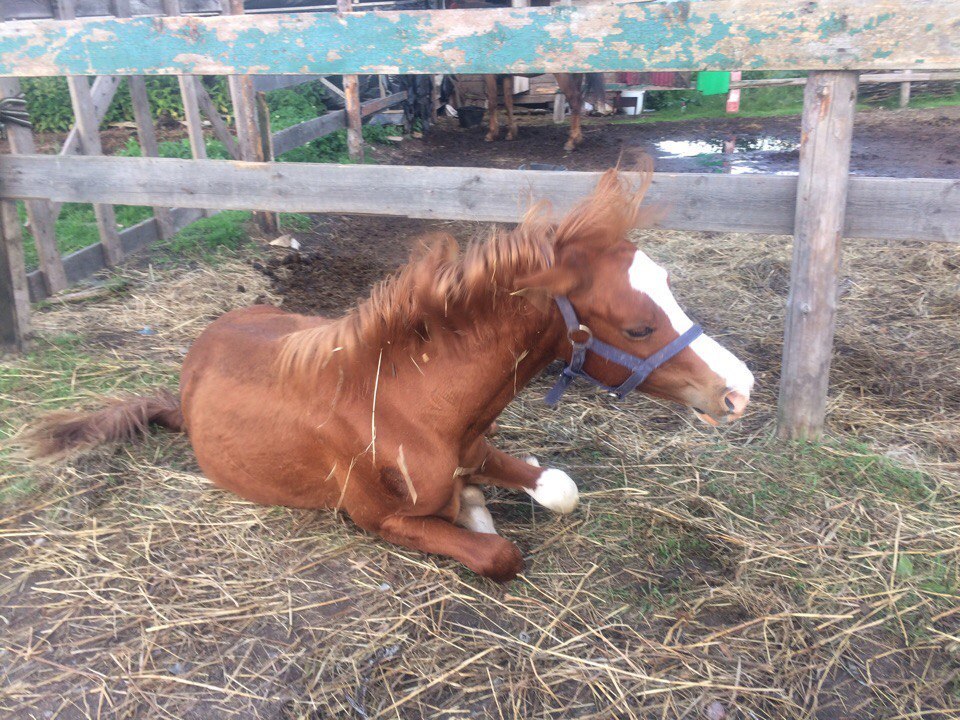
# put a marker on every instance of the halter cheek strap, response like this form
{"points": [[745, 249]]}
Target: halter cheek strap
{"points": [[640, 368]]}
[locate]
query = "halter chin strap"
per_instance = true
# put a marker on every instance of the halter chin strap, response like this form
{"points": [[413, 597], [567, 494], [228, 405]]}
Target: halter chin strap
{"points": [[639, 367]]}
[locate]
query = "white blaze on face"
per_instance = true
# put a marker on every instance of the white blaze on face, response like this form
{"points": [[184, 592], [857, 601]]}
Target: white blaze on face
{"points": [[650, 279]]}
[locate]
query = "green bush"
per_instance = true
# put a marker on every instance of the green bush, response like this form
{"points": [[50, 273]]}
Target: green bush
{"points": [[48, 100]]}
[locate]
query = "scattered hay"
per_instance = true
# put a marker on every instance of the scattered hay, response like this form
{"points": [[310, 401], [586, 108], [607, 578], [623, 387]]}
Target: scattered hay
{"points": [[706, 574]]}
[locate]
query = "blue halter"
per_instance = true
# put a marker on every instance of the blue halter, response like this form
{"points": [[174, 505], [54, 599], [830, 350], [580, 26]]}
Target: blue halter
{"points": [[639, 367]]}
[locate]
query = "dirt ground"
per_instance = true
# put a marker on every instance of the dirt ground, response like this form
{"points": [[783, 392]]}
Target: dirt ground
{"points": [[708, 574], [894, 143]]}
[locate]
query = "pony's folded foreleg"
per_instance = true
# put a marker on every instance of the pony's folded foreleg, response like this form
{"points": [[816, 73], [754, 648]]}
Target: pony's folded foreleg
{"points": [[552, 488], [486, 554]]}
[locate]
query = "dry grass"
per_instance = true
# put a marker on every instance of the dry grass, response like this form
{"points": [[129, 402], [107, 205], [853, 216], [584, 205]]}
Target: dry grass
{"points": [[706, 574]]}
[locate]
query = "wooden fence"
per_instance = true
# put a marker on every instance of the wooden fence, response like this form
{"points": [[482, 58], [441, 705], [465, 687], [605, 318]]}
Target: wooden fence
{"points": [[833, 38]]}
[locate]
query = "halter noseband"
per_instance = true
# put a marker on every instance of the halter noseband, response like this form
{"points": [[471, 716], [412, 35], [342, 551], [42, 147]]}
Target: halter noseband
{"points": [[639, 367]]}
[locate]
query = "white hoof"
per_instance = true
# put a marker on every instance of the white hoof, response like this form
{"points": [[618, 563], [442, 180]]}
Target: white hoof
{"points": [[473, 513], [556, 491], [531, 460]]}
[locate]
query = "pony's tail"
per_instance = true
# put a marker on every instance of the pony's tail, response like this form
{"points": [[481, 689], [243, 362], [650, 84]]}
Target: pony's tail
{"points": [[65, 433], [595, 89]]}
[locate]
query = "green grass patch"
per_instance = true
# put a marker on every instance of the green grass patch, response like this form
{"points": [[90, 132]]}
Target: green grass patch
{"points": [[332, 148], [61, 370], [297, 222], [209, 239]]}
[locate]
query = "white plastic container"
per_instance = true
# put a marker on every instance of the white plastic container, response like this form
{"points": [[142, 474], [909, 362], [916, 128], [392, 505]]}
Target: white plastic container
{"points": [[632, 108]]}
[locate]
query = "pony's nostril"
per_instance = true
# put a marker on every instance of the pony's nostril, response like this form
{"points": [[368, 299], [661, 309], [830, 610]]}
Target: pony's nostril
{"points": [[736, 402]]}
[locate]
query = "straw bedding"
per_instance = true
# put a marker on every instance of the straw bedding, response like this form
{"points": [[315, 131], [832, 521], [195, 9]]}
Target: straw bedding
{"points": [[717, 574]]}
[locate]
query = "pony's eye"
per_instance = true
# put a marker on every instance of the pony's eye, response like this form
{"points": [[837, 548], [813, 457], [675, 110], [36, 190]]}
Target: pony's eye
{"points": [[638, 333]]}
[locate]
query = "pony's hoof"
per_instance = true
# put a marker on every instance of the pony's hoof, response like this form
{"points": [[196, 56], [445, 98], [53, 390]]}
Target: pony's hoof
{"points": [[570, 146], [489, 137], [512, 135], [556, 491]]}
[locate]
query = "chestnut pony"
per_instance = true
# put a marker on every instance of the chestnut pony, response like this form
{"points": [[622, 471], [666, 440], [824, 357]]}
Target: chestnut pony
{"points": [[383, 412]]}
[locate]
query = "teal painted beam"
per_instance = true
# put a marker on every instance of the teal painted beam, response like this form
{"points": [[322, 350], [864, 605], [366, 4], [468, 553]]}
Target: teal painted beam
{"points": [[706, 34]]}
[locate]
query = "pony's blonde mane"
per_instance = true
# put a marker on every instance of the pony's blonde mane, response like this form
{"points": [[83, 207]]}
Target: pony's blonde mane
{"points": [[440, 280]]}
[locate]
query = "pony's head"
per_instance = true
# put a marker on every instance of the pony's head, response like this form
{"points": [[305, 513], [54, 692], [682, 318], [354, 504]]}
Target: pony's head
{"points": [[623, 299]]}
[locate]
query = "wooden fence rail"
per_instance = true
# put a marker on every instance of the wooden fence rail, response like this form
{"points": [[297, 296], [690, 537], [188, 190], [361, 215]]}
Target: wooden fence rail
{"points": [[707, 34], [897, 209]]}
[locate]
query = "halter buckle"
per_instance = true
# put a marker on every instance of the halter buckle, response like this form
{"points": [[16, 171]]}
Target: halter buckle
{"points": [[580, 329]]}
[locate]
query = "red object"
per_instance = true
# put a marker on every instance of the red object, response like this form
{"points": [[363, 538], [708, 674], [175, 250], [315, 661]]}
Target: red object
{"points": [[733, 101], [630, 78], [662, 79]]}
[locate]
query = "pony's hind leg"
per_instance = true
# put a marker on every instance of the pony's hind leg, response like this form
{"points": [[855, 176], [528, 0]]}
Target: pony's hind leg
{"points": [[493, 130], [552, 488], [486, 554]]}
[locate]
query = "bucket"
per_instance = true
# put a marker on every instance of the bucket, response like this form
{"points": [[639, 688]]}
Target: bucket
{"points": [[631, 102], [470, 116]]}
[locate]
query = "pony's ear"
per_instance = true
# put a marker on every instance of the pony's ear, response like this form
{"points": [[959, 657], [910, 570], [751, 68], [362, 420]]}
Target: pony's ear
{"points": [[560, 280]]}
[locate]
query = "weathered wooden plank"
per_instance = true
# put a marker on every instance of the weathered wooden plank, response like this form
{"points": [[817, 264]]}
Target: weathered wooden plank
{"points": [[829, 102], [243, 97], [220, 129], [298, 135], [41, 9], [351, 102], [707, 34], [39, 212], [302, 133], [371, 107], [920, 209], [82, 263], [88, 129], [269, 223], [146, 133], [101, 95], [14, 295]]}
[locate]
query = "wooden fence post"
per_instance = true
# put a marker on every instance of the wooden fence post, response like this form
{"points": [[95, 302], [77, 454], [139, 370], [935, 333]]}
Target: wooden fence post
{"points": [[39, 212], [245, 117], [146, 133], [905, 91], [270, 223], [14, 292], [191, 104], [88, 127], [829, 101], [351, 98]]}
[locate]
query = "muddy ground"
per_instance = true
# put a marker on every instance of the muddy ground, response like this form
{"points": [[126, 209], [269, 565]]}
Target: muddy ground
{"points": [[900, 143]]}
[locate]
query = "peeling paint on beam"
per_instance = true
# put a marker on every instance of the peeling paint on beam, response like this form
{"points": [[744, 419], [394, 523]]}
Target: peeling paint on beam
{"points": [[707, 34]]}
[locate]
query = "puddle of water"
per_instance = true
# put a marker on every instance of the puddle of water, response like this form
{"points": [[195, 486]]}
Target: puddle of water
{"points": [[736, 156], [693, 148]]}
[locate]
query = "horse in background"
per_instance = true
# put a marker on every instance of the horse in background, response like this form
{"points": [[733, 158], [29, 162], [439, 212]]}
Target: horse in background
{"points": [[383, 413], [574, 86]]}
